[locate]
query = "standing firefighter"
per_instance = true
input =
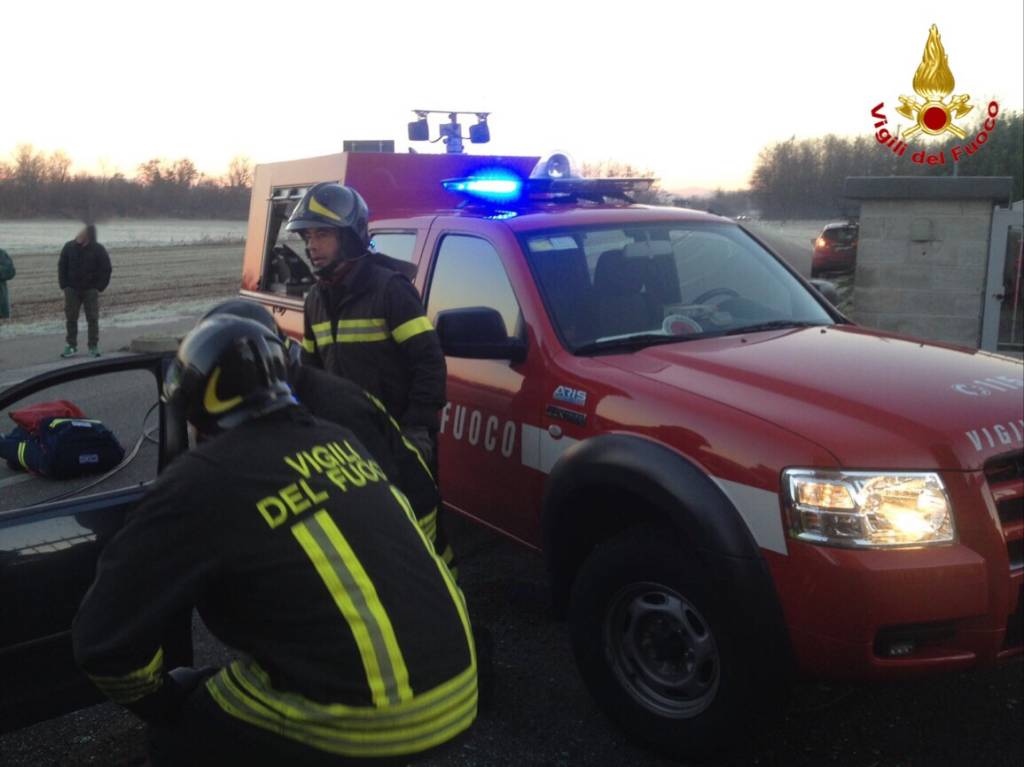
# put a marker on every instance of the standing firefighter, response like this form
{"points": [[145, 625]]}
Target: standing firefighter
{"points": [[363, 320], [83, 272], [298, 553]]}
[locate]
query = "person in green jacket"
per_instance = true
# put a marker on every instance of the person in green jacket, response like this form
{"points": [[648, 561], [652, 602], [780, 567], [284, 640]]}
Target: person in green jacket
{"points": [[6, 273]]}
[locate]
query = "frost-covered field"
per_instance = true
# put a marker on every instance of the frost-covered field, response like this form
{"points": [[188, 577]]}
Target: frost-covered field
{"points": [[47, 236], [148, 284]]}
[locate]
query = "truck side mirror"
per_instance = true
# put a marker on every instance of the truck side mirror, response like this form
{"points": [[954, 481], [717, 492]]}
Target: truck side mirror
{"points": [[827, 289], [477, 333]]}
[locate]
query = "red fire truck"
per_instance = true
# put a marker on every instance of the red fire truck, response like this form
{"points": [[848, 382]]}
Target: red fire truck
{"points": [[732, 484]]}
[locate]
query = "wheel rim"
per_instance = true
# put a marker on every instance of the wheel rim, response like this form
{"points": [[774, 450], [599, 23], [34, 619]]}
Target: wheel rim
{"points": [[661, 649]]}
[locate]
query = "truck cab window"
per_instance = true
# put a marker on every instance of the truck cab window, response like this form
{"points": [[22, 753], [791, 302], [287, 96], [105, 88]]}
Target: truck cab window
{"points": [[469, 273], [285, 269], [400, 245]]}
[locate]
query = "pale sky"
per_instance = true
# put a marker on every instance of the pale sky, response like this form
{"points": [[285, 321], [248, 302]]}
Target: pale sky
{"points": [[690, 90]]}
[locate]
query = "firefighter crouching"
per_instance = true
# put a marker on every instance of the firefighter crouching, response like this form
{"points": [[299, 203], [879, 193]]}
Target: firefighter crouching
{"points": [[298, 552], [341, 401], [363, 320]]}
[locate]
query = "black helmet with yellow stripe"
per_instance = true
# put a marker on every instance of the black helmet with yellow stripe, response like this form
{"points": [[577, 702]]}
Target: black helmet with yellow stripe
{"points": [[250, 310], [227, 370], [333, 206]]}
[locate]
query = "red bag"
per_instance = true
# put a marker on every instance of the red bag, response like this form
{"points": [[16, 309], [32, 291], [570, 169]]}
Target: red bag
{"points": [[29, 417]]}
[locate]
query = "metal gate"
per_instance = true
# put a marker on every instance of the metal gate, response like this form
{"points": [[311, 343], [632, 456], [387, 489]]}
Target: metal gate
{"points": [[1002, 328]]}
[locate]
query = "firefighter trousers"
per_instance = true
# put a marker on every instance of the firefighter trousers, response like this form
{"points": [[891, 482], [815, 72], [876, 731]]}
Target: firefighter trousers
{"points": [[202, 734]]}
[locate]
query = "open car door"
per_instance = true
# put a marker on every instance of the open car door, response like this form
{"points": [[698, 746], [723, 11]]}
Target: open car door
{"points": [[52, 530]]}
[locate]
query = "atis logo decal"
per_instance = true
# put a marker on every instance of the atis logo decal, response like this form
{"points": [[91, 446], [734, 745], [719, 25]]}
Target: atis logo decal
{"points": [[572, 396], [936, 111]]}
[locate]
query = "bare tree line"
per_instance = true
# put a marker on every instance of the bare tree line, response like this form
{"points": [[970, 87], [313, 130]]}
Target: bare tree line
{"points": [[803, 178], [39, 184], [796, 178]]}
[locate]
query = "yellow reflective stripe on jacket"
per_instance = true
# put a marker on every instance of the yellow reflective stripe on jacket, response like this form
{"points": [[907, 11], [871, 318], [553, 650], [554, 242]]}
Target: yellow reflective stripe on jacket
{"points": [[448, 555], [351, 331], [361, 330], [365, 322], [408, 444], [21, 454], [356, 597], [322, 334], [429, 526], [134, 685], [407, 330], [458, 598], [243, 690], [361, 336], [309, 345]]}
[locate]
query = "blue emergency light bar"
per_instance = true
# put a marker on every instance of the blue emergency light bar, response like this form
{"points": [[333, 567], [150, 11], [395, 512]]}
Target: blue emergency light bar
{"points": [[553, 180], [507, 187], [492, 186]]}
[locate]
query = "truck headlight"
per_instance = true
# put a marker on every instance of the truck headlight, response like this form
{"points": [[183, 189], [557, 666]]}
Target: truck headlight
{"points": [[866, 509]]}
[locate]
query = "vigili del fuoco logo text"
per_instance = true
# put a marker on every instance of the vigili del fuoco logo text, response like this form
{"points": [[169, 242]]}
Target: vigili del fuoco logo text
{"points": [[937, 111]]}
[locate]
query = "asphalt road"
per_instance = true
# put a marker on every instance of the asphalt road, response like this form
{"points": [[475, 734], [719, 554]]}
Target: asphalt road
{"points": [[791, 240]]}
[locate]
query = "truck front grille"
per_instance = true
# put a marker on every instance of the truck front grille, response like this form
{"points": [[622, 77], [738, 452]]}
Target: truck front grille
{"points": [[1005, 476]]}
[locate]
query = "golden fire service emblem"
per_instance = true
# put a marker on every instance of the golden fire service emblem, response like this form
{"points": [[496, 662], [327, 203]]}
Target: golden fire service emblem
{"points": [[933, 116], [933, 82]]}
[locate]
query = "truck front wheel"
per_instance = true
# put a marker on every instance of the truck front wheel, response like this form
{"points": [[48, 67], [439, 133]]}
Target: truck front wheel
{"points": [[653, 648]]}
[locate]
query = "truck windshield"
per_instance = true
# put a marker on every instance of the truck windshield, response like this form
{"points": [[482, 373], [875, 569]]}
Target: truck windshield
{"points": [[629, 287]]}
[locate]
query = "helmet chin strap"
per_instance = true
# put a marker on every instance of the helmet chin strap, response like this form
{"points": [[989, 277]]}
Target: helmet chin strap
{"points": [[329, 270]]}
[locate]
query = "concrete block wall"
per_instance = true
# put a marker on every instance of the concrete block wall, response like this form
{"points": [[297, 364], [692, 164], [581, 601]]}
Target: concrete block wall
{"points": [[933, 288]]}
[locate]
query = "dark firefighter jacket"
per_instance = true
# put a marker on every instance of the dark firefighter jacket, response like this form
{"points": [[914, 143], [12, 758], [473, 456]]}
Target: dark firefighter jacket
{"points": [[84, 267], [370, 328], [298, 553], [340, 401]]}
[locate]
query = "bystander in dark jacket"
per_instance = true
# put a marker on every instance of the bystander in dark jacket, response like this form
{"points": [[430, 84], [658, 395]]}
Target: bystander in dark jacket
{"points": [[84, 273]]}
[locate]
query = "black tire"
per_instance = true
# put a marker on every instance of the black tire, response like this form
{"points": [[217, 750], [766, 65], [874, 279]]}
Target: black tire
{"points": [[655, 649]]}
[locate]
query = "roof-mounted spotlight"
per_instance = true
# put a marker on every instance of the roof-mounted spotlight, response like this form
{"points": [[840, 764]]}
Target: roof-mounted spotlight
{"points": [[480, 133], [451, 131], [419, 130]]}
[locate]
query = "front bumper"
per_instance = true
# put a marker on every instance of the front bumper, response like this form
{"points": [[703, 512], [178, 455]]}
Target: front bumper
{"points": [[854, 613]]}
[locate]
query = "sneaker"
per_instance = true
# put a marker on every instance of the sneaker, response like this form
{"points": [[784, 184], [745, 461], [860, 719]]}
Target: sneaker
{"points": [[94, 351], [69, 351]]}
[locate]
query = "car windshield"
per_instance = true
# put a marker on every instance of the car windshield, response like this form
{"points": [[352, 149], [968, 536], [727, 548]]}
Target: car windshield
{"points": [[612, 287]]}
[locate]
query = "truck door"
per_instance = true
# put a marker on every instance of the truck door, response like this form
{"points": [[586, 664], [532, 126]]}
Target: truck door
{"points": [[490, 402]]}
